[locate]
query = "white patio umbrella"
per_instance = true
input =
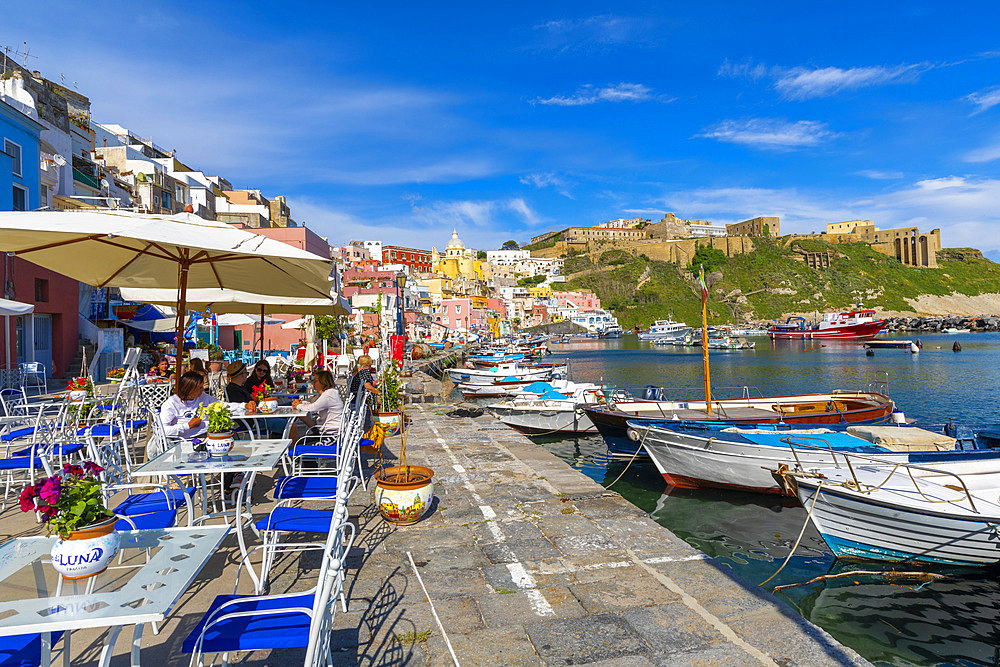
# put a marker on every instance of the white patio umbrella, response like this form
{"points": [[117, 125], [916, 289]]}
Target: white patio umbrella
{"points": [[179, 252], [8, 309], [312, 351], [238, 301], [239, 319]]}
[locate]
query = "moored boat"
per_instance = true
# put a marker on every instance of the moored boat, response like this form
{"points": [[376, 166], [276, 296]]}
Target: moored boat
{"points": [[832, 408], [937, 512], [550, 413], [851, 325], [665, 329]]}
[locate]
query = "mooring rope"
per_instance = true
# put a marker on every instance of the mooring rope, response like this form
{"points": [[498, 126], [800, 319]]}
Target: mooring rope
{"points": [[799, 539], [637, 450]]}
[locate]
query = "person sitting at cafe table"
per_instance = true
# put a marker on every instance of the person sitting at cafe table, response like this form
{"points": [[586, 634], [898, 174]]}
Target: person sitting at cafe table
{"points": [[328, 407], [235, 391], [261, 374], [180, 412], [162, 369]]}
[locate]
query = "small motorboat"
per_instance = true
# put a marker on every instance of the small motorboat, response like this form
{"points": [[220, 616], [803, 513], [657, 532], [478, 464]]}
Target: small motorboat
{"points": [[550, 413]]}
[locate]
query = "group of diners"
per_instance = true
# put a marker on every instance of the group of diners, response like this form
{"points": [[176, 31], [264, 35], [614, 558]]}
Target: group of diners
{"points": [[180, 413]]}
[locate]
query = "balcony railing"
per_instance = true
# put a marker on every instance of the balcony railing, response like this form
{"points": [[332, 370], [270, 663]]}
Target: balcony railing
{"points": [[86, 179]]}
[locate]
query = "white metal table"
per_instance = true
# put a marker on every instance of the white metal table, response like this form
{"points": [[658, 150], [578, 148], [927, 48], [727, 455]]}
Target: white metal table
{"points": [[247, 456], [253, 421], [34, 598]]}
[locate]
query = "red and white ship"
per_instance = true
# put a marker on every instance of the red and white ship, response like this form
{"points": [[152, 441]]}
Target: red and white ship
{"points": [[854, 325]]}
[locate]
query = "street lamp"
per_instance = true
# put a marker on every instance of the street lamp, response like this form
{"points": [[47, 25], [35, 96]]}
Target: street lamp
{"points": [[400, 283]]}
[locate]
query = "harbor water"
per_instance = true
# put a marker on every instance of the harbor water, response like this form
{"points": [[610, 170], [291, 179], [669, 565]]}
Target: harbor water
{"points": [[890, 621]]}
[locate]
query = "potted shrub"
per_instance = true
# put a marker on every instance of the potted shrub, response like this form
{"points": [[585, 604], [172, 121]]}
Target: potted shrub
{"points": [[80, 388], [220, 428], [389, 391], [70, 504], [263, 395], [115, 375], [215, 359]]}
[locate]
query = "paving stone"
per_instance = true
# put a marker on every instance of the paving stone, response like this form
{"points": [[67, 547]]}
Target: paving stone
{"points": [[709, 656], [672, 628], [722, 595], [532, 550], [791, 640], [465, 556], [628, 589], [566, 524], [588, 639], [459, 613], [492, 647], [584, 544], [607, 508]]}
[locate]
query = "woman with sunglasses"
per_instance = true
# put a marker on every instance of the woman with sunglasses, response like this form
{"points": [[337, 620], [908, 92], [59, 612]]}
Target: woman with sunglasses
{"points": [[260, 374]]}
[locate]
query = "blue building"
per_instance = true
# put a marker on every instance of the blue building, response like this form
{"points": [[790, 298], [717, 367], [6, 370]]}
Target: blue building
{"points": [[19, 163]]}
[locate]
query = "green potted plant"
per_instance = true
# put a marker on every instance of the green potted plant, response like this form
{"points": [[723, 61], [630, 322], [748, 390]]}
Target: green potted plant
{"points": [[389, 391], [71, 505], [220, 428], [263, 395], [215, 359]]}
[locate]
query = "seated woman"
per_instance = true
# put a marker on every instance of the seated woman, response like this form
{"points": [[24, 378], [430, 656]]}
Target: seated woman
{"points": [[261, 374], [328, 406], [235, 391], [161, 369], [179, 413]]}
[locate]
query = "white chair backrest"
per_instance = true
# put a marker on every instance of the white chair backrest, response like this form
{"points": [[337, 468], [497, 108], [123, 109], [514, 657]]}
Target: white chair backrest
{"points": [[13, 402], [331, 581]]}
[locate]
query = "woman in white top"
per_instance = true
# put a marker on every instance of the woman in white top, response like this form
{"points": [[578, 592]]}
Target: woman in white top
{"points": [[328, 405], [179, 413]]}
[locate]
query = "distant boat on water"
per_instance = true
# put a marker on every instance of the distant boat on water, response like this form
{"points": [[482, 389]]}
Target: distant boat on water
{"points": [[665, 329], [851, 325]]}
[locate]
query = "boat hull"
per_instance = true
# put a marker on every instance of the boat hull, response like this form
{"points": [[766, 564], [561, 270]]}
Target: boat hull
{"points": [[613, 426], [863, 527], [546, 421], [863, 331]]}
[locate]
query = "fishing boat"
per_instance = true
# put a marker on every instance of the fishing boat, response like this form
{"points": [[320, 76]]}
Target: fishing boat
{"points": [[504, 371], [550, 413], [928, 511], [611, 331], [814, 409], [693, 455], [879, 344], [852, 325], [504, 386], [489, 360], [665, 329]]}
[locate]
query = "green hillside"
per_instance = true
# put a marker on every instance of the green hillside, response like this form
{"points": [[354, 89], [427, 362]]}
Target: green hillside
{"points": [[774, 280]]}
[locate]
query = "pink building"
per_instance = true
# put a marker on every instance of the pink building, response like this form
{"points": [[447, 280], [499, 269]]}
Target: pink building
{"points": [[299, 237], [455, 314], [577, 300]]}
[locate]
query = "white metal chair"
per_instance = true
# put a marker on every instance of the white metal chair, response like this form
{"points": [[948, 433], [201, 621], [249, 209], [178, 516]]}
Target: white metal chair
{"points": [[35, 371]]}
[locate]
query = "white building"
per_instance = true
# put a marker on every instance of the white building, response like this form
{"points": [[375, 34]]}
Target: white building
{"points": [[507, 257], [374, 248], [707, 230]]}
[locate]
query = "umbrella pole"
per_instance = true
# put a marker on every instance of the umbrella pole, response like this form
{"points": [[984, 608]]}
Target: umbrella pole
{"points": [[261, 331], [181, 307]]}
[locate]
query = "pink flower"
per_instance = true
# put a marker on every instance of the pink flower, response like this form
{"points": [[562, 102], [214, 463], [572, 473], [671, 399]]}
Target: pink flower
{"points": [[73, 469], [50, 490], [92, 468], [27, 498], [47, 512]]}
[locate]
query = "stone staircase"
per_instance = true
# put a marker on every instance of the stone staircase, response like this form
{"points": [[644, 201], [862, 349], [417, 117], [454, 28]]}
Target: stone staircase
{"points": [[76, 365]]}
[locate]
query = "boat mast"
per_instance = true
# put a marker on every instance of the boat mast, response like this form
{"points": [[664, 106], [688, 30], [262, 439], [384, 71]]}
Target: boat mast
{"points": [[704, 338]]}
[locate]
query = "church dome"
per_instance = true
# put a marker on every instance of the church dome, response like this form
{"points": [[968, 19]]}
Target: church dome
{"points": [[455, 243]]}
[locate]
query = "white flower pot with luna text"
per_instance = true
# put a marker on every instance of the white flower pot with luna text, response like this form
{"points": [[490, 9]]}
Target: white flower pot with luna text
{"points": [[87, 551], [219, 444], [268, 405], [77, 395], [393, 421]]}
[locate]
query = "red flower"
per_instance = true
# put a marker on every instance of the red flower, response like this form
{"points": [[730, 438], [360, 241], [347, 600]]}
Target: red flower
{"points": [[47, 512], [50, 490], [27, 498], [73, 469], [92, 468]]}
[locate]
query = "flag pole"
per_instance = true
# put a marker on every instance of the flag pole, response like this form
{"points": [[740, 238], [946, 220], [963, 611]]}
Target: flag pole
{"points": [[704, 338]]}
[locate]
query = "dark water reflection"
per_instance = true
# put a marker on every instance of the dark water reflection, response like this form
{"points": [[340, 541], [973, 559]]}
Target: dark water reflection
{"points": [[892, 622]]}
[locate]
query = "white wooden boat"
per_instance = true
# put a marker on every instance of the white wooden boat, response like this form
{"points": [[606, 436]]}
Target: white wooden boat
{"points": [[934, 512], [692, 455], [503, 371], [550, 413]]}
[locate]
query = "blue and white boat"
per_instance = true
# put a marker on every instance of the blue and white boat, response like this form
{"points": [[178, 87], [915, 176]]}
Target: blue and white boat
{"points": [[743, 456], [936, 512]]}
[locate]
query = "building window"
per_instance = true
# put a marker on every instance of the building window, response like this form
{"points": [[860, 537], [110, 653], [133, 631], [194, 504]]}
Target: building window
{"points": [[13, 150], [43, 194], [41, 290], [458, 309], [167, 200], [20, 199]]}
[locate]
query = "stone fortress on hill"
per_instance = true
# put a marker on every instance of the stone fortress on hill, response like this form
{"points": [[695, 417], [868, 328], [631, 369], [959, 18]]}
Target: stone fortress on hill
{"points": [[673, 239]]}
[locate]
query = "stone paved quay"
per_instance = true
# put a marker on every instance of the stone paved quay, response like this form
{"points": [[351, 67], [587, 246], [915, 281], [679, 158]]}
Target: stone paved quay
{"points": [[527, 561]]}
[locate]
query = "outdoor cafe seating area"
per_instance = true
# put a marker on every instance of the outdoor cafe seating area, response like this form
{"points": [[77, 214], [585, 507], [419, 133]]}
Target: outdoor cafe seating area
{"points": [[173, 514]]}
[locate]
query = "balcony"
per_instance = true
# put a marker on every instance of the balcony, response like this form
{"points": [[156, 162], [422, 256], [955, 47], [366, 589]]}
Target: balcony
{"points": [[86, 179]]}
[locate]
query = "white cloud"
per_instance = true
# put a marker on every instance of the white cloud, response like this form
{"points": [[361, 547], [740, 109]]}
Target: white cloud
{"points": [[880, 175], [803, 82], [548, 180], [599, 32], [447, 171], [770, 133], [745, 70], [589, 94], [984, 99], [502, 214], [983, 154]]}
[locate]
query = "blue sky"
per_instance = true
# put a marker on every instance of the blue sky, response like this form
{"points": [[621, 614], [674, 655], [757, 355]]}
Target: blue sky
{"points": [[401, 121]]}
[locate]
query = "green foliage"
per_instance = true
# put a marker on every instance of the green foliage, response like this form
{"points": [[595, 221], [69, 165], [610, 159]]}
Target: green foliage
{"points": [[766, 231], [389, 387], [481, 254], [329, 327], [509, 245], [220, 420], [712, 259], [531, 281], [577, 263], [614, 257], [68, 500]]}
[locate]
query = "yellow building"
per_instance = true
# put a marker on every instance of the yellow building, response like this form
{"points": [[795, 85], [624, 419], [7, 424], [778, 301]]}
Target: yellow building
{"points": [[457, 262], [439, 286], [851, 226], [540, 292]]}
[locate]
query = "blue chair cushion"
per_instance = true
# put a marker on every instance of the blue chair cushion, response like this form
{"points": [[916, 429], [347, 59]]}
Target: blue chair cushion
{"points": [[251, 633], [297, 486], [297, 519], [23, 650], [65, 449], [17, 433], [163, 519], [100, 430], [18, 463], [314, 450], [154, 501], [136, 423]]}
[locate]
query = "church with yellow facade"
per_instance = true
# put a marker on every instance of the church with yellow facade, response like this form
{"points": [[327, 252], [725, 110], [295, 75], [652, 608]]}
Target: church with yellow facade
{"points": [[457, 261]]}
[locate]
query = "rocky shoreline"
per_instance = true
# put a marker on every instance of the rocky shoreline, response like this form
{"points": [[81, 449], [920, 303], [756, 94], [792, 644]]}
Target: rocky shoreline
{"points": [[933, 324]]}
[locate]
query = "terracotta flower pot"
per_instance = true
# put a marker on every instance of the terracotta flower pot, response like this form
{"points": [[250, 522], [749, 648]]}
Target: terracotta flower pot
{"points": [[87, 551], [404, 493], [214, 365]]}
